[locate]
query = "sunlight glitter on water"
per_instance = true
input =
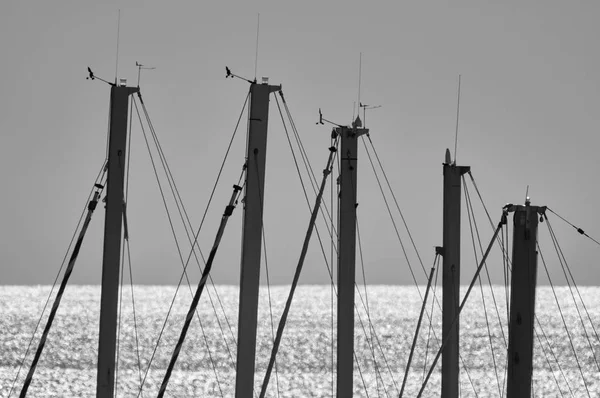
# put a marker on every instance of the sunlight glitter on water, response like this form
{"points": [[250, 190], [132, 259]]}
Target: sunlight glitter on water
{"points": [[68, 365]]}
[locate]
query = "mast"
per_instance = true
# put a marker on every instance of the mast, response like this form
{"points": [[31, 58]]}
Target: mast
{"points": [[119, 103], [252, 236], [346, 255], [451, 276], [522, 299]]}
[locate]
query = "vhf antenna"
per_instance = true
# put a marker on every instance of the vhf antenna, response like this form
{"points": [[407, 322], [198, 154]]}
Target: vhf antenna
{"points": [[94, 77], [365, 107], [140, 67], [232, 75]]}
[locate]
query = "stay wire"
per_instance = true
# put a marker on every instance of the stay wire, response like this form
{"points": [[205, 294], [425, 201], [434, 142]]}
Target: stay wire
{"points": [[60, 292], [184, 264], [397, 205], [284, 315], [464, 300], [135, 325], [187, 224], [566, 269], [332, 259], [548, 362], [189, 230], [353, 189], [123, 248], [564, 265], [553, 354], [486, 268], [262, 228], [308, 166], [233, 201], [581, 231], [392, 218], [563, 319], [304, 189], [414, 342], [471, 218], [397, 231], [203, 219], [368, 311], [99, 178], [430, 328]]}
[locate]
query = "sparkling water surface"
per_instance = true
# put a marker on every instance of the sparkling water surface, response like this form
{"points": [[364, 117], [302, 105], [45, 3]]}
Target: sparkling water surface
{"points": [[206, 365]]}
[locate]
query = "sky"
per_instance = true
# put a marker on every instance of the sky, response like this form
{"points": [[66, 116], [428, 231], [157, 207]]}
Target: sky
{"points": [[528, 118]]}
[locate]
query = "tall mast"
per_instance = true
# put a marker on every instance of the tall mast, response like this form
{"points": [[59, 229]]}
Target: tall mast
{"points": [[451, 276], [522, 300], [252, 236], [119, 103], [346, 255]]}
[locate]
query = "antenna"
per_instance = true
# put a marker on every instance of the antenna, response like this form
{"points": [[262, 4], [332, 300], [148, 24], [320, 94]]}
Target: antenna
{"points": [[527, 196], [140, 67], [359, 78], [457, 115], [365, 107], [117, 57], [256, 55]]}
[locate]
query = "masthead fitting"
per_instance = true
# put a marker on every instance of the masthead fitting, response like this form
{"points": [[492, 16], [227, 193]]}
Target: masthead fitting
{"points": [[448, 157]]}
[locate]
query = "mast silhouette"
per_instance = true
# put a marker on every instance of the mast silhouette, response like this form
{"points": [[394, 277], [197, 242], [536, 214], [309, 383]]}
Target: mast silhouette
{"points": [[113, 222], [522, 299], [451, 276], [252, 235], [347, 204]]}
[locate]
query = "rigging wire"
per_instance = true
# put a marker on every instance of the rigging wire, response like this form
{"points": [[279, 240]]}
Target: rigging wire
{"points": [[178, 250], [486, 268], [125, 239], [430, 328], [563, 262], [192, 310], [471, 218], [574, 284], [284, 315], [99, 179], [262, 228], [126, 235], [61, 289], [464, 300], [563, 319], [414, 343], [548, 362], [553, 354], [409, 234], [368, 312], [581, 231], [308, 166], [304, 189], [371, 327], [202, 223], [187, 223], [331, 283], [396, 202]]}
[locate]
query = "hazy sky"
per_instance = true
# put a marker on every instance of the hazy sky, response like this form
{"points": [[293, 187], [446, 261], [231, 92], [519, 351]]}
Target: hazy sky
{"points": [[529, 106]]}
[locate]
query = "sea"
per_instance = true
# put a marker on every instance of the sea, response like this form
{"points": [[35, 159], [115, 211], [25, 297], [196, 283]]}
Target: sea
{"points": [[565, 352]]}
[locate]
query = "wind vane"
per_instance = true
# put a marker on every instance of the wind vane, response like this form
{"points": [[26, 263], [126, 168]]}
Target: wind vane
{"points": [[140, 67]]}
